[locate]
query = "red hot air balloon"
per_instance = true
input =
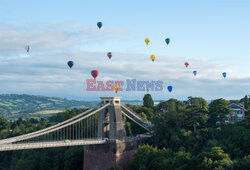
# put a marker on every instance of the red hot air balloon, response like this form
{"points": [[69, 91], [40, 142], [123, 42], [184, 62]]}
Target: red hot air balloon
{"points": [[94, 73], [186, 64]]}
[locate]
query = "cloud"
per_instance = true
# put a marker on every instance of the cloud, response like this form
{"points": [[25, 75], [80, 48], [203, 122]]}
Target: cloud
{"points": [[44, 70], [49, 75], [53, 38]]}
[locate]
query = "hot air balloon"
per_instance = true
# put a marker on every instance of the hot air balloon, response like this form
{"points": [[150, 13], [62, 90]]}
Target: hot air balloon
{"points": [[70, 64], [116, 88], [27, 48], [186, 64], [167, 40], [153, 57], [170, 88], [94, 73], [99, 24], [109, 54], [224, 74], [147, 40], [195, 72]]}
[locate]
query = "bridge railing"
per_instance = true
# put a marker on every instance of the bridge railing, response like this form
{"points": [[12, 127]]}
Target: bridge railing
{"points": [[144, 127], [78, 130], [43, 130], [8, 147], [139, 119], [136, 118], [56, 127]]}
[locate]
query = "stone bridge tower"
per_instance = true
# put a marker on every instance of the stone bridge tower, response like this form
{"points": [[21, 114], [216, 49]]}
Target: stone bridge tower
{"points": [[111, 125], [116, 149]]}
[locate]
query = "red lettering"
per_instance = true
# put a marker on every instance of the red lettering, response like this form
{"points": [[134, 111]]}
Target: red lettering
{"points": [[109, 85], [90, 85], [100, 86], [120, 84]]}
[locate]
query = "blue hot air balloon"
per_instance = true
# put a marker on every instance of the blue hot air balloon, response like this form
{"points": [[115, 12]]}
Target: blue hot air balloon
{"points": [[170, 88], [224, 74], [27, 48], [99, 24], [70, 64], [167, 40], [195, 72]]}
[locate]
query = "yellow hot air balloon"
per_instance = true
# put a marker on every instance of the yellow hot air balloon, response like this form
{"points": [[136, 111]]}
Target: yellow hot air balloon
{"points": [[153, 57], [116, 88], [147, 40]]}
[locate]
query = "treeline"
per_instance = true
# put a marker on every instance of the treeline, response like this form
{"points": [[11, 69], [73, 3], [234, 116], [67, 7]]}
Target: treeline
{"points": [[185, 136]]}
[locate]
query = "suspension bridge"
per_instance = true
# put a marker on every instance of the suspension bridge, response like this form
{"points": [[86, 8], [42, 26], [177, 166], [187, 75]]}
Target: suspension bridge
{"points": [[97, 125]]}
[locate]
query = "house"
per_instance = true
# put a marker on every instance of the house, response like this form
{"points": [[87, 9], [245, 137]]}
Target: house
{"points": [[237, 113]]}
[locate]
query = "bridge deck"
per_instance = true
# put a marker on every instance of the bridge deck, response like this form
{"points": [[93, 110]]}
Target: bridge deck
{"points": [[8, 147], [76, 127]]}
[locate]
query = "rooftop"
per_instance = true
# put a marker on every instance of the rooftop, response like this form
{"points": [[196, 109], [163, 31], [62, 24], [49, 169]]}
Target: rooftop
{"points": [[233, 105]]}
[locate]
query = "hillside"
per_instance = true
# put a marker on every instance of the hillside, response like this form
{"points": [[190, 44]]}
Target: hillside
{"points": [[13, 106]]}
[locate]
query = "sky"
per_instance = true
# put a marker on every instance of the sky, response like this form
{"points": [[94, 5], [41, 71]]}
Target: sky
{"points": [[213, 36]]}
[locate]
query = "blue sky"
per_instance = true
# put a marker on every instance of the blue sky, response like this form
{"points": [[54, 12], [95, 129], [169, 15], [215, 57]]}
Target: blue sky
{"points": [[212, 34]]}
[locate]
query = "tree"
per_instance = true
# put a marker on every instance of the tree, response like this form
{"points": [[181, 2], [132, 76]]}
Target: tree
{"points": [[166, 129], [182, 159], [148, 101], [149, 157], [115, 167], [144, 155], [218, 110], [170, 105], [73, 158], [128, 129], [4, 124], [235, 139], [33, 121], [197, 109], [246, 104], [242, 164], [144, 111], [215, 159]]}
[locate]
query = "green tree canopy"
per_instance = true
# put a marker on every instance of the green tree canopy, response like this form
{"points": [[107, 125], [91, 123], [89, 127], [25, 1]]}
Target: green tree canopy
{"points": [[4, 124], [197, 109], [246, 104], [216, 159], [218, 109], [166, 128], [170, 105], [148, 101]]}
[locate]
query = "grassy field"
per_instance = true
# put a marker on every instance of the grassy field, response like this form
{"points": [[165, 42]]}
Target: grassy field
{"points": [[13, 106]]}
